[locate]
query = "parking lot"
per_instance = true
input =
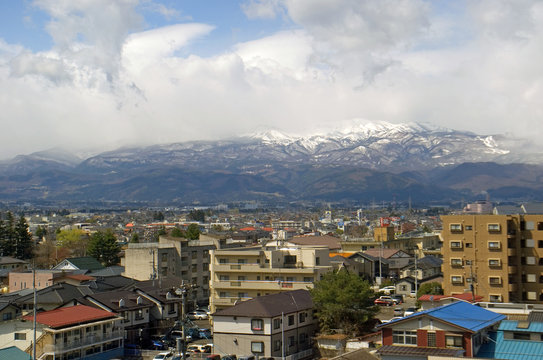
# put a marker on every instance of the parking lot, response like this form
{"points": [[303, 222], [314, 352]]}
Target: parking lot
{"points": [[387, 312]]}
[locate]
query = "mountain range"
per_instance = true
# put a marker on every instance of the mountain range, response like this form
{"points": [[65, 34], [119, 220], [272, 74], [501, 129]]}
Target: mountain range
{"points": [[362, 162]]}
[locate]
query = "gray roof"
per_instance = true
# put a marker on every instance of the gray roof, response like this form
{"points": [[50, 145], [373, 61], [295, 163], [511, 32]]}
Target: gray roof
{"points": [[13, 353], [535, 316], [410, 351], [427, 262], [533, 208], [109, 271], [111, 300], [11, 260], [271, 305], [108, 283], [56, 294]]}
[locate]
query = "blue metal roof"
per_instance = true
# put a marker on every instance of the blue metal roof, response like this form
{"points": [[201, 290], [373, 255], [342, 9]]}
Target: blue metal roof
{"points": [[509, 325], [499, 348], [13, 353], [462, 314]]}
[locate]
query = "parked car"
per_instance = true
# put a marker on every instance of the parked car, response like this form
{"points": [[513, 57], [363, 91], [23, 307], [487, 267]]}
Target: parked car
{"points": [[197, 315], [229, 357], [247, 357], [163, 356], [398, 297], [388, 289], [384, 302], [398, 311], [410, 311], [213, 357], [384, 321], [204, 309]]}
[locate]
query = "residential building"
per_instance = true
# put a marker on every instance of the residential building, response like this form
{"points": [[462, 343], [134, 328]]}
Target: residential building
{"points": [[276, 325], [431, 301], [422, 268], [10, 263], [500, 256], [67, 333], [179, 257], [458, 328], [397, 259], [44, 278], [370, 266], [87, 263], [245, 273]]}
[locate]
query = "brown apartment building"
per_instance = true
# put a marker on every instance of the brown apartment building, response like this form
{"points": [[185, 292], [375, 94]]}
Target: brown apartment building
{"points": [[499, 257]]}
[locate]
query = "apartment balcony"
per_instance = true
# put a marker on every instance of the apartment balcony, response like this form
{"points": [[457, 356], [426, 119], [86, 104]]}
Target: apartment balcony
{"points": [[228, 301], [259, 285], [76, 343], [265, 268]]}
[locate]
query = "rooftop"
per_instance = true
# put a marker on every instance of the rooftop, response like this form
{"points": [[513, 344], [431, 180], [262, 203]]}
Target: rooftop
{"points": [[72, 315]]}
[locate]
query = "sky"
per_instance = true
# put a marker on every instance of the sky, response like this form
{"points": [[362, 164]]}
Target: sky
{"points": [[95, 75]]}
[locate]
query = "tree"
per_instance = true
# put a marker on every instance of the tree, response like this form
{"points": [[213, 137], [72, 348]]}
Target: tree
{"points": [[158, 216], [23, 244], [75, 240], [8, 239], [343, 301], [135, 238], [197, 215], [41, 232], [433, 288], [103, 247], [193, 232], [177, 232]]}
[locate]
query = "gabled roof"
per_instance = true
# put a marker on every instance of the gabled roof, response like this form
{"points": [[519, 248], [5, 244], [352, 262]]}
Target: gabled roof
{"points": [[11, 260], [72, 315], [427, 262], [14, 353], [387, 253], [55, 294], [469, 317], [500, 348], [83, 263], [271, 305], [112, 300]]}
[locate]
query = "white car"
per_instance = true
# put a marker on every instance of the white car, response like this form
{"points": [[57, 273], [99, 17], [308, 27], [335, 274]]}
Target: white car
{"points": [[388, 289], [163, 356], [197, 315]]}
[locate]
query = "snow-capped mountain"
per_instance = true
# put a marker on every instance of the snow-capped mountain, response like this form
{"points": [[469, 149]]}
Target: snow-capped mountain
{"points": [[383, 146], [360, 161]]}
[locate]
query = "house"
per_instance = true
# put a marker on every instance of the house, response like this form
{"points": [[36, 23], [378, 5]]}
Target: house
{"points": [[408, 285], [456, 329], [87, 263], [49, 298], [276, 325], [67, 333], [397, 259], [371, 266], [423, 268], [516, 340], [134, 309], [9, 311], [431, 301]]}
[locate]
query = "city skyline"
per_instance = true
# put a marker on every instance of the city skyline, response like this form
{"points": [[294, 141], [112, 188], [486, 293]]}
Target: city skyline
{"points": [[97, 75]]}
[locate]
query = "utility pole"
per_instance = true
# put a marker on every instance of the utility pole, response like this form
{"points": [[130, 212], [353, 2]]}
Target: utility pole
{"points": [[34, 308], [182, 291]]}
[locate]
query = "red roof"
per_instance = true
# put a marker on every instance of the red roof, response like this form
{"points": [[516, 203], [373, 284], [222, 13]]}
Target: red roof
{"points": [[249, 228], [268, 229], [129, 225], [80, 277], [72, 315], [465, 297]]}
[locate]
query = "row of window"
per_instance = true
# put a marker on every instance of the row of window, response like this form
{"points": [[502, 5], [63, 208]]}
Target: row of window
{"points": [[460, 262], [459, 227], [258, 324], [459, 279], [266, 278], [404, 337], [458, 244]]}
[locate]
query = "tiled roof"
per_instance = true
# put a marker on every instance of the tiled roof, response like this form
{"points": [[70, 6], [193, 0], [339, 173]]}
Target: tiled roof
{"points": [[410, 351], [72, 315], [459, 313], [385, 253], [271, 305], [464, 297], [111, 299]]}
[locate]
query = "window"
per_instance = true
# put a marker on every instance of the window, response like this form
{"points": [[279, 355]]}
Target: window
{"points": [[494, 262], [291, 341], [453, 341], [456, 262], [530, 243], [194, 254], [432, 336], [301, 317], [276, 324], [223, 261], [290, 320], [308, 279], [224, 277], [540, 226], [530, 260], [257, 347], [277, 345], [404, 337], [455, 227], [521, 336], [540, 243], [494, 280], [457, 279], [194, 268], [530, 225], [456, 244], [223, 294], [303, 338], [257, 324], [493, 227], [317, 261], [494, 245], [20, 336], [530, 278], [468, 262], [531, 295], [495, 298], [468, 227], [242, 261], [7, 316], [469, 245]]}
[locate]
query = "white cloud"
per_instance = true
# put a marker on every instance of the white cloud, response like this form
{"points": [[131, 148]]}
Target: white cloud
{"points": [[262, 9]]}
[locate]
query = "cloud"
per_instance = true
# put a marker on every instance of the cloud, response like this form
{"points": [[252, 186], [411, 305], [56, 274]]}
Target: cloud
{"points": [[262, 9]]}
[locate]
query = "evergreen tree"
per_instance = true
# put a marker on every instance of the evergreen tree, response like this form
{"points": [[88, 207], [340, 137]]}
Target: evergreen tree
{"points": [[193, 232], [103, 246], [23, 240], [2, 235], [9, 237]]}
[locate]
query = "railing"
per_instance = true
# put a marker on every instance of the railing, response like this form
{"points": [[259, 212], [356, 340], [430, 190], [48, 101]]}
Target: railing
{"points": [[75, 343]]}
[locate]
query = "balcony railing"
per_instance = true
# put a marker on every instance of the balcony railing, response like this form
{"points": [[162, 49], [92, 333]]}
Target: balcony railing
{"points": [[261, 284], [75, 343]]}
